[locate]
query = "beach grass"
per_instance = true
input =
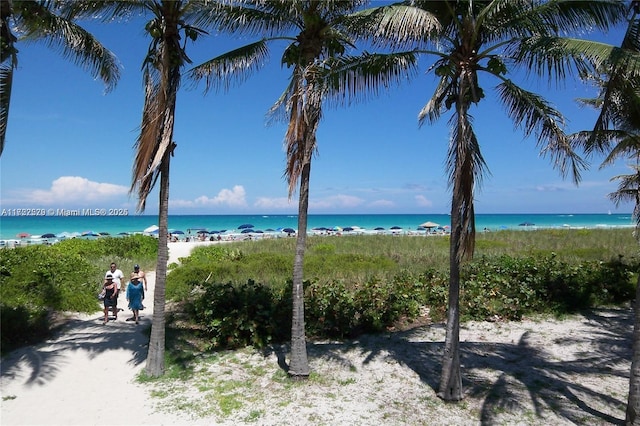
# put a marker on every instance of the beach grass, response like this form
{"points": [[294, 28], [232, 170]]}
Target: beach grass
{"points": [[239, 293]]}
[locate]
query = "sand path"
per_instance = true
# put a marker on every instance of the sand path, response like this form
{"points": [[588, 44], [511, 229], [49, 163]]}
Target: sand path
{"points": [[86, 373]]}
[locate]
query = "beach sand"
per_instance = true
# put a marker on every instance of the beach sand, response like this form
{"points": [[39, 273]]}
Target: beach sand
{"points": [[533, 372]]}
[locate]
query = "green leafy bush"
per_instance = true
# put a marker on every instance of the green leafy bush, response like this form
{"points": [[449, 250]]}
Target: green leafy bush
{"points": [[342, 305], [240, 315], [38, 280]]}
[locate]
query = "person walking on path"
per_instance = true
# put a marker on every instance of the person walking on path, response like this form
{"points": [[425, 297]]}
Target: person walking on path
{"points": [[110, 298], [141, 275], [118, 276], [135, 295]]}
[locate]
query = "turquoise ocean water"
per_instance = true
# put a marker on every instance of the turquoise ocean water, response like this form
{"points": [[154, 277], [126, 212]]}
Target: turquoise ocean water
{"points": [[12, 226]]}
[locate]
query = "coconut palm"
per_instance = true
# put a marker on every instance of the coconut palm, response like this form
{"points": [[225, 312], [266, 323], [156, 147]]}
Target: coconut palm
{"points": [[155, 146], [318, 37], [616, 134], [490, 39], [23, 21]]}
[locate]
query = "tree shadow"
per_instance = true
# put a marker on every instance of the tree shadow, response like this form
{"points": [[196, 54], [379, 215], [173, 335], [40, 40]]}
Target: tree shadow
{"points": [[40, 363], [527, 374]]}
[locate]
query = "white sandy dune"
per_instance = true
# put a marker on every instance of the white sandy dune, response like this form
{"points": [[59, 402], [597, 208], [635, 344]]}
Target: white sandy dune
{"points": [[541, 372]]}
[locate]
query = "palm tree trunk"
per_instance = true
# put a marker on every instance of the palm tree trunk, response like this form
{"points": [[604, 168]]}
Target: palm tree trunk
{"points": [[450, 379], [299, 365], [155, 358], [633, 403]]}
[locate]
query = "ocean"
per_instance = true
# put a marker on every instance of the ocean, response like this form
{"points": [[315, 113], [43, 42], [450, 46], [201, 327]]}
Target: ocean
{"points": [[13, 226]]}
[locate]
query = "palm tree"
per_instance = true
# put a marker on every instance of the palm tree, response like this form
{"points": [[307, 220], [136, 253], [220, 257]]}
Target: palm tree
{"points": [[42, 21], [487, 38], [155, 145], [616, 134], [318, 37]]}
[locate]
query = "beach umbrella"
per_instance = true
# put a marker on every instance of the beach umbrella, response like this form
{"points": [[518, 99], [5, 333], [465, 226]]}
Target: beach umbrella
{"points": [[89, 234], [395, 228], [379, 228], [245, 226], [429, 225], [250, 231], [123, 233], [289, 230], [269, 230], [526, 224], [347, 229], [104, 234], [23, 235], [151, 229], [48, 236], [176, 231]]}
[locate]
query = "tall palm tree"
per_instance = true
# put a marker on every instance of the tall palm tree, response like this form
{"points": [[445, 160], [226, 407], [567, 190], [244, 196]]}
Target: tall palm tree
{"points": [[32, 20], [155, 145], [616, 134], [489, 38], [318, 37]]}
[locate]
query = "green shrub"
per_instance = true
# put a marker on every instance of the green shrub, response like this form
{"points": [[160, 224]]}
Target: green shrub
{"points": [[239, 315], [38, 280]]}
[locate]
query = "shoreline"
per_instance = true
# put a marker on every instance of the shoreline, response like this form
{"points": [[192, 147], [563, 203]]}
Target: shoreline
{"points": [[233, 236], [12, 226]]}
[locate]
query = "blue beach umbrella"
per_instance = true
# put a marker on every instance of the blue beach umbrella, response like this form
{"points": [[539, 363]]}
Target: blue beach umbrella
{"points": [[526, 224], [289, 230], [245, 226]]}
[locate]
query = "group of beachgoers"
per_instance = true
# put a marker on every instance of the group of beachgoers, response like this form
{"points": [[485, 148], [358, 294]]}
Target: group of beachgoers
{"points": [[114, 284]]}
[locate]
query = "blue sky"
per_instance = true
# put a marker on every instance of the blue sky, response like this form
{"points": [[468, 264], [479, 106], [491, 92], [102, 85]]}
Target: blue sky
{"points": [[70, 145]]}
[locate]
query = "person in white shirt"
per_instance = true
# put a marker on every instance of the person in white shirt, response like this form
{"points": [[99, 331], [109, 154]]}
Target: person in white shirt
{"points": [[118, 280]]}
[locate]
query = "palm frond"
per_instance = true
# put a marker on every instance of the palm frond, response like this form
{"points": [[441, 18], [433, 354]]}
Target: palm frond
{"points": [[396, 25], [432, 111], [305, 112], [533, 114], [355, 78], [466, 167], [557, 57], [264, 18], [627, 146], [236, 65], [6, 84], [629, 191], [146, 146], [73, 41], [566, 16]]}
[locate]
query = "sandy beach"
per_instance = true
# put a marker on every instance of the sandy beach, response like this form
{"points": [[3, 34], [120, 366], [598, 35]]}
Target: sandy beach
{"points": [[534, 372]]}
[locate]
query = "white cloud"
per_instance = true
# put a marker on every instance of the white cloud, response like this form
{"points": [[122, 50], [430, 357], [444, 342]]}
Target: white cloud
{"points": [[69, 189], [235, 197], [265, 203], [343, 201], [423, 201], [382, 203]]}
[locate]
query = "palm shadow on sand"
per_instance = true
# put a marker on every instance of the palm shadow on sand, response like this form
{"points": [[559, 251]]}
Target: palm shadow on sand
{"points": [[528, 375], [45, 360]]}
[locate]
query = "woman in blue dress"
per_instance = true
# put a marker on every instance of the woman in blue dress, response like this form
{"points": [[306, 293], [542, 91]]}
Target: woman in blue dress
{"points": [[135, 295]]}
